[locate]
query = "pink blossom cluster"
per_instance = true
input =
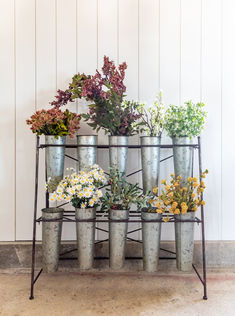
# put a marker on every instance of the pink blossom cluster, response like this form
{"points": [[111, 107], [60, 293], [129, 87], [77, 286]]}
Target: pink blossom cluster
{"points": [[62, 98], [54, 122], [101, 87]]}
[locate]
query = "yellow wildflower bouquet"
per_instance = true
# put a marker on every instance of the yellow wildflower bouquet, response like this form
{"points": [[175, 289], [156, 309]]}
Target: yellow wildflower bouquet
{"points": [[178, 198]]}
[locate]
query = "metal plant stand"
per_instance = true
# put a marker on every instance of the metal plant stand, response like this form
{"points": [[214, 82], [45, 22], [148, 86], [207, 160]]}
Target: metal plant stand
{"points": [[69, 216]]}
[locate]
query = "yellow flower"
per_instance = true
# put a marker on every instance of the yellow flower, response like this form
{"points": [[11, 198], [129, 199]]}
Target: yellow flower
{"points": [[159, 211], [195, 179], [193, 195], [177, 211], [174, 205], [195, 184], [155, 190], [197, 201], [167, 202], [176, 184], [202, 184], [163, 181], [151, 201], [184, 210], [166, 219], [172, 175], [171, 194], [185, 189], [202, 202], [179, 178], [167, 187], [194, 209], [183, 204], [190, 179], [158, 205], [171, 210], [203, 176]]}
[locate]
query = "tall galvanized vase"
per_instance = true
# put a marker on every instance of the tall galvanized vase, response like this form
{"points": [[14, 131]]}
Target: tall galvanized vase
{"points": [[85, 237], [118, 155], [182, 158], [151, 235], [51, 237], [55, 160], [184, 236], [117, 238], [150, 157], [86, 155]]}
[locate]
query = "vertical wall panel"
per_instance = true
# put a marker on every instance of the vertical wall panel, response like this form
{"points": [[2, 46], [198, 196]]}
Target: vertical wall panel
{"points": [[228, 114], [7, 126], [25, 101], [170, 50], [211, 96]]}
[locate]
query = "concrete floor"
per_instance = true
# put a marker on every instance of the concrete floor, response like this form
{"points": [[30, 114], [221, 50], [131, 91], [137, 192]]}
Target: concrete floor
{"points": [[106, 293]]}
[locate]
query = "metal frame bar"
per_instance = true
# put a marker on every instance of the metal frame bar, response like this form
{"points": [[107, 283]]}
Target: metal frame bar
{"points": [[104, 217]]}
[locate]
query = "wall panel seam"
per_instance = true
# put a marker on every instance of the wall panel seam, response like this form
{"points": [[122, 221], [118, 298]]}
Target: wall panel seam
{"points": [[14, 119]]}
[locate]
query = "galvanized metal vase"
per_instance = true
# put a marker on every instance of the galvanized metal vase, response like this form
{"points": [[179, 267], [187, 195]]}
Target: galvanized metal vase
{"points": [[117, 238], [182, 158], [86, 155], [85, 237], [51, 238], [151, 235], [184, 238], [150, 158], [54, 160], [118, 155]]}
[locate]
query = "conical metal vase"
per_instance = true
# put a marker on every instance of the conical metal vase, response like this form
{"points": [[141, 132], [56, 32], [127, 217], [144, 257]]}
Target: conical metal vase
{"points": [[182, 158], [54, 160], [51, 238], [117, 238], [85, 237], [118, 155], [86, 155], [150, 158], [151, 235], [184, 238]]}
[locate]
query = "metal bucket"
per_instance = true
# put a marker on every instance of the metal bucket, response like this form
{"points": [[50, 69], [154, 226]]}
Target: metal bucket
{"points": [[51, 237], [182, 158], [54, 160], [118, 155], [151, 235], [85, 237], [184, 238], [117, 238], [86, 155], [150, 158]]}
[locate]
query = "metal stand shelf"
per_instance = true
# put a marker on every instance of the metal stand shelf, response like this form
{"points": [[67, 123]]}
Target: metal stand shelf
{"points": [[69, 215]]}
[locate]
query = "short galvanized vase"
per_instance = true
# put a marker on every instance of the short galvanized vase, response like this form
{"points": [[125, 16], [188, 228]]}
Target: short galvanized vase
{"points": [[184, 238], [54, 160], [85, 237], [86, 155], [150, 158], [118, 155], [151, 235], [182, 158], [117, 238], [51, 238]]}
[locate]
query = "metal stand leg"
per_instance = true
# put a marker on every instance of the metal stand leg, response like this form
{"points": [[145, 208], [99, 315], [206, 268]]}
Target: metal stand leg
{"points": [[203, 227], [34, 221]]}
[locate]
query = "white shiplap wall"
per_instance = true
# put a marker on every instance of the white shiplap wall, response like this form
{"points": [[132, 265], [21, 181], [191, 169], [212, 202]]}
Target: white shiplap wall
{"points": [[184, 47]]}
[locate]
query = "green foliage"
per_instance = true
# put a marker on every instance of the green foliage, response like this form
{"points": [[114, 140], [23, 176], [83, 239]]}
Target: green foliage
{"points": [[186, 120], [122, 194], [151, 120]]}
